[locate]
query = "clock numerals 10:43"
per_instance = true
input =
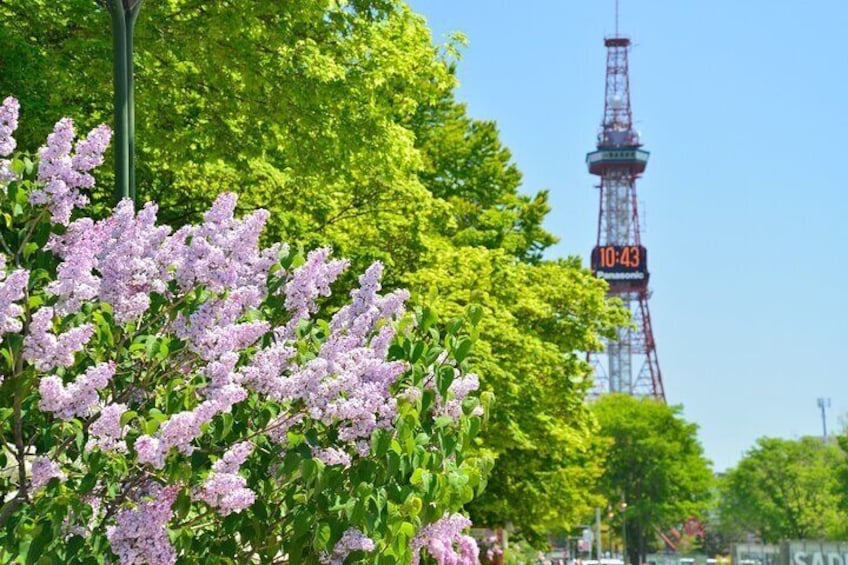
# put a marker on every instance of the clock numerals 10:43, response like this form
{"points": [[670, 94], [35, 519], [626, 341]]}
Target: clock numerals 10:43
{"points": [[619, 257]]}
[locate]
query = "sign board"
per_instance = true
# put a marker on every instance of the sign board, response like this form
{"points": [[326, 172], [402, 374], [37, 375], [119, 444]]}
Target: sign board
{"points": [[816, 553]]}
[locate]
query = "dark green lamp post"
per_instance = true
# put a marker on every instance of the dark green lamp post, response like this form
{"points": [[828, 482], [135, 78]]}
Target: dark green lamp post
{"points": [[124, 14]]}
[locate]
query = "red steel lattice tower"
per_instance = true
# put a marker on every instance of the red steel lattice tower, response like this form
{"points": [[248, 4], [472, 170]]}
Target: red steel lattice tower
{"points": [[629, 364]]}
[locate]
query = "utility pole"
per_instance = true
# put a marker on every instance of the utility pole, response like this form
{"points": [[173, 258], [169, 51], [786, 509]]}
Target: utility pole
{"points": [[824, 404], [124, 14]]}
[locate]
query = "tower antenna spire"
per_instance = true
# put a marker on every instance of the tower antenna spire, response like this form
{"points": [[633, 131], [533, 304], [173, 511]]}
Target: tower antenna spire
{"points": [[616, 18]]}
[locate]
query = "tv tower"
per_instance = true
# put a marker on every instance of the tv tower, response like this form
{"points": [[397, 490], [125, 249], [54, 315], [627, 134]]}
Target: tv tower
{"points": [[630, 365]]}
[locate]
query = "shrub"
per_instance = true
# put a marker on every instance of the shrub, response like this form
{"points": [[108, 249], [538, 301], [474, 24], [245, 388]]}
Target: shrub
{"points": [[187, 395]]}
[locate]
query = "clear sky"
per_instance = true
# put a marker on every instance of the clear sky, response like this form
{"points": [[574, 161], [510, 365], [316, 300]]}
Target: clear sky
{"points": [[742, 105]]}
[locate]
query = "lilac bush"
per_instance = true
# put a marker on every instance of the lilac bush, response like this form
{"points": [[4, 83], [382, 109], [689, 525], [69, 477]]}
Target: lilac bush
{"points": [[188, 395]]}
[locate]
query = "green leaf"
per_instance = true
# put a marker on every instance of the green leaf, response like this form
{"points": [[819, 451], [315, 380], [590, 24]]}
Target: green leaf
{"points": [[127, 417], [463, 347], [417, 351], [443, 421], [454, 326], [475, 314], [321, 541], [30, 248], [43, 535]]}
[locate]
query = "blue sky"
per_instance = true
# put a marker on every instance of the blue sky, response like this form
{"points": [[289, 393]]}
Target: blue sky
{"points": [[743, 107]]}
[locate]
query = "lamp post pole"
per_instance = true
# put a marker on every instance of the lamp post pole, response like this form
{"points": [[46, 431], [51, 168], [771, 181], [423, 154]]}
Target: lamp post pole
{"points": [[124, 14], [599, 545], [622, 507]]}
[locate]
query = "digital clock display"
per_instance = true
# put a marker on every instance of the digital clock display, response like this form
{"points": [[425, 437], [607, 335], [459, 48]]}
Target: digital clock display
{"points": [[624, 267]]}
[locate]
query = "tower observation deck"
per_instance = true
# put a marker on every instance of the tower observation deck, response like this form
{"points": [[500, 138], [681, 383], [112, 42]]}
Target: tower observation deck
{"points": [[629, 364]]}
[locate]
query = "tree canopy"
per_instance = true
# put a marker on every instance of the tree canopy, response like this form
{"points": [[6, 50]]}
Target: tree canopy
{"points": [[786, 489], [655, 464]]}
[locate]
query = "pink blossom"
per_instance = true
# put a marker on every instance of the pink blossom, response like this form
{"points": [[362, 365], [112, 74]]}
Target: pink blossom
{"points": [[149, 450], [43, 469], [227, 493], [8, 124], [212, 330], [354, 323], [331, 456], [222, 253], [220, 374], [233, 458], [263, 373], [309, 282], [118, 260], [458, 390], [64, 174], [88, 153], [140, 535], [444, 541], [224, 489], [352, 540], [78, 248], [130, 260], [79, 397], [47, 350], [181, 429], [348, 385], [106, 432], [11, 290]]}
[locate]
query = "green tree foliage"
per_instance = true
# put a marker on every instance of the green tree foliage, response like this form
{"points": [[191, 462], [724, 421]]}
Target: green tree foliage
{"points": [[655, 464], [842, 441], [536, 319], [299, 105], [466, 165], [786, 489], [340, 118]]}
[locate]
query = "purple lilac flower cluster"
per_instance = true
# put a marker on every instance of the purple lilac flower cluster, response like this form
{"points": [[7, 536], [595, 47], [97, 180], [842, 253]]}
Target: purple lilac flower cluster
{"points": [[443, 539], [46, 350], [347, 384], [309, 282], [64, 174], [125, 259], [331, 456], [183, 428], [352, 540], [460, 388], [8, 124], [222, 253], [75, 282], [42, 470], [213, 331], [12, 289], [264, 371], [124, 249], [130, 261], [106, 432], [78, 398], [139, 535], [224, 489]]}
